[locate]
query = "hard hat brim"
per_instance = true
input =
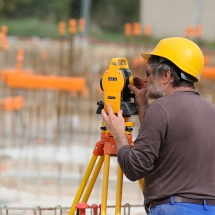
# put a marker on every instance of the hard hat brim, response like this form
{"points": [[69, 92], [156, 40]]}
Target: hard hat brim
{"points": [[146, 55]]}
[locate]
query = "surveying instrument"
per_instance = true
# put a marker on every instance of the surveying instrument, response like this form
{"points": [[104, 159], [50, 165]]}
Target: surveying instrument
{"points": [[114, 83]]}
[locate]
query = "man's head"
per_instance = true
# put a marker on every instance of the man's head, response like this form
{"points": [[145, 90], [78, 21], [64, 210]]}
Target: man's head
{"points": [[172, 64], [184, 53], [161, 74]]}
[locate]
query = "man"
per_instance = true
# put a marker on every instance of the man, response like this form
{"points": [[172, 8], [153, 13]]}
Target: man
{"points": [[175, 148]]}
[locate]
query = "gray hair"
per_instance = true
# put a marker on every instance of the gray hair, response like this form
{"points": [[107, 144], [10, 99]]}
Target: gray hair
{"points": [[161, 66]]}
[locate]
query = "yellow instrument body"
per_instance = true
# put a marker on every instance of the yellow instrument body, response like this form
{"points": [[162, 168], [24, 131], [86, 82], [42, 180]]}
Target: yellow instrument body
{"points": [[113, 83]]}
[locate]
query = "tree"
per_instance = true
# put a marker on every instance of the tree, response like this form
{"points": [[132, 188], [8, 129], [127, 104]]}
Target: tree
{"points": [[45, 9], [8, 8], [75, 9], [112, 14]]}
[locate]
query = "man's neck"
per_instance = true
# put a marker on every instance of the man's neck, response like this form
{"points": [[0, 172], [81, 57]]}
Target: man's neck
{"points": [[178, 89]]}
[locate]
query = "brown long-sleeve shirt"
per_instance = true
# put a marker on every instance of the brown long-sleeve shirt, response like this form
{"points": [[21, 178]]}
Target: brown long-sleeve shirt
{"points": [[175, 148]]}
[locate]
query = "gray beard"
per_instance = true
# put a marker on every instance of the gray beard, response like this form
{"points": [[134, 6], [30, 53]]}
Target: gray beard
{"points": [[155, 91]]}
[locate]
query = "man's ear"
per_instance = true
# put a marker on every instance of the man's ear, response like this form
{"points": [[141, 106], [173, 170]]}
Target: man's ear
{"points": [[167, 77]]}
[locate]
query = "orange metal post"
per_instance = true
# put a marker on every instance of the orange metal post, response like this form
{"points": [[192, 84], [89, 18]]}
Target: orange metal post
{"points": [[198, 31], [32, 81], [208, 73], [12, 103], [136, 29], [72, 26], [6, 73], [189, 32], [81, 24], [62, 28], [128, 29], [207, 60], [147, 30]]}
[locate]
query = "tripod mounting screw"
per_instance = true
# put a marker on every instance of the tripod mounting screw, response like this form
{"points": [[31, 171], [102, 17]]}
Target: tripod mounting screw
{"points": [[103, 128], [128, 129]]}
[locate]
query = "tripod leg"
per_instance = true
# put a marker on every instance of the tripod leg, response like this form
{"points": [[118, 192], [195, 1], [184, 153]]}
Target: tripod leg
{"points": [[93, 179], [105, 183], [119, 191], [83, 184], [141, 183]]}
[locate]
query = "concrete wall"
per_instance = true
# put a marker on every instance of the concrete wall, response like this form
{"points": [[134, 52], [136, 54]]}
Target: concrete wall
{"points": [[171, 17]]}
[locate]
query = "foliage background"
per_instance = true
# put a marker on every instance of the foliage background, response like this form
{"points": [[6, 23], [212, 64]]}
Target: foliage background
{"points": [[30, 17]]}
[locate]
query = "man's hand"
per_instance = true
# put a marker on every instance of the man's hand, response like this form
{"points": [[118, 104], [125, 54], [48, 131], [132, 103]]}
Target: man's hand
{"points": [[115, 125], [140, 89]]}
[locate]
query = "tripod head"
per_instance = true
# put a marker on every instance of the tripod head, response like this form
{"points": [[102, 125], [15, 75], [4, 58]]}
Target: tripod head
{"points": [[114, 83]]}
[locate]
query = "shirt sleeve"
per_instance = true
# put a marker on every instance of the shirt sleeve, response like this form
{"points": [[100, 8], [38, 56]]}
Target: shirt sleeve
{"points": [[138, 161]]}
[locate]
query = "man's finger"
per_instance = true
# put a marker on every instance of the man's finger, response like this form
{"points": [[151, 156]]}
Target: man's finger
{"points": [[104, 114], [109, 109], [120, 114], [140, 82], [132, 88]]}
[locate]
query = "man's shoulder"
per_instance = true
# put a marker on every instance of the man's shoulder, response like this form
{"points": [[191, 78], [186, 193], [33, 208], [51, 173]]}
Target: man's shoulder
{"points": [[173, 100], [177, 96]]}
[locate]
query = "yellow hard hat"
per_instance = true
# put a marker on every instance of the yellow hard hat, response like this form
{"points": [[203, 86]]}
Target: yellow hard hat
{"points": [[182, 52]]}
